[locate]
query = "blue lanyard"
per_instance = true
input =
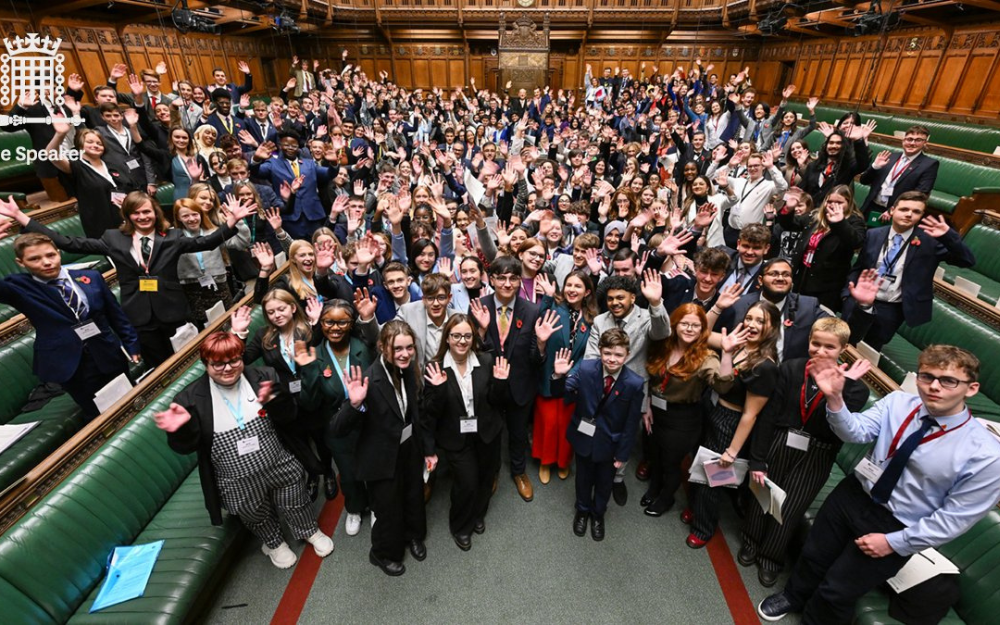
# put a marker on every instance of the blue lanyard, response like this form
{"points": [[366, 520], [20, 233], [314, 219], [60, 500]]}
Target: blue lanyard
{"points": [[336, 365], [308, 283], [287, 354], [198, 255], [237, 414]]}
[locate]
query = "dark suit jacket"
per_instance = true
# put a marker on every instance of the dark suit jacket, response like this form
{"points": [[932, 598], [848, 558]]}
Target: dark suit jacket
{"points": [[832, 260], [520, 348], [381, 422], [443, 407], [919, 266], [216, 122], [306, 205], [58, 349], [196, 435], [253, 127], [130, 178], [801, 310], [919, 175], [168, 304], [618, 418], [753, 286]]}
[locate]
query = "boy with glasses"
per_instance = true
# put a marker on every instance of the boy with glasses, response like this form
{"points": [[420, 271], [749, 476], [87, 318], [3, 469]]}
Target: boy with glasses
{"points": [[428, 316], [891, 175]]}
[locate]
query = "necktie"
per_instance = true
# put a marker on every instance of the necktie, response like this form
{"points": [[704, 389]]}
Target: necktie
{"points": [[882, 489], [890, 257], [227, 123], [503, 324], [70, 297], [828, 170], [608, 383], [263, 130], [741, 273], [153, 100], [295, 168], [147, 249]]}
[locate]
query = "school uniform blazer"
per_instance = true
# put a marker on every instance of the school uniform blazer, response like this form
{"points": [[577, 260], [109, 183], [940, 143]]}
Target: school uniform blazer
{"points": [[919, 175], [919, 266], [215, 121], [832, 260], [196, 435], [168, 304], [380, 422], [520, 348], [252, 126], [322, 388], [115, 156], [58, 349], [443, 408], [415, 316], [618, 418], [307, 205], [801, 311], [560, 340]]}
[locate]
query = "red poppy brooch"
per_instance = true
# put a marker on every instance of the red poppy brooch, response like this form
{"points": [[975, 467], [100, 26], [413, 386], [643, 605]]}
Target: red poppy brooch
{"points": [[583, 327], [328, 372], [789, 323], [915, 242], [519, 323], [83, 279], [261, 413]]}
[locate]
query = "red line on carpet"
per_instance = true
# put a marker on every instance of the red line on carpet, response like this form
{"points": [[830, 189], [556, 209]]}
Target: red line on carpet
{"points": [[297, 592], [733, 589]]}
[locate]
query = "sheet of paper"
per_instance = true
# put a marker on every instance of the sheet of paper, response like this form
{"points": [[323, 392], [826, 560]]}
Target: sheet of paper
{"points": [[920, 568], [868, 353], [183, 336], [112, 392], [778, 497], [909, 383], [280, 259], [719, 475], [475, 188], [703, 455], [939, 273], [10, 433], [128, 574], [215, 311], [967, 286], [763, 496]]}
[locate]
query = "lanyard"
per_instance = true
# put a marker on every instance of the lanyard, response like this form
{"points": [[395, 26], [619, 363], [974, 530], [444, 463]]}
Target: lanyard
{"points": [[237, 414], [747, 192], [198, 255], [926, 439], [227, 126], [897, 171], [287, 353], [890, 265], [807, 411], [306, 281], [663, 385], [336, 364]]}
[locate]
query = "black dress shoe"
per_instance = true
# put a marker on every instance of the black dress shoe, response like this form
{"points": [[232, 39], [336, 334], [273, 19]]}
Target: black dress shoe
{"points": [[580, 523], [647, 499], [464, 541], [767, 578], [659, 507], [479, 527], [620, 493], [312, 487], [597, 528], [390, 568], [331, 490], [746, 556], [418, 550]]}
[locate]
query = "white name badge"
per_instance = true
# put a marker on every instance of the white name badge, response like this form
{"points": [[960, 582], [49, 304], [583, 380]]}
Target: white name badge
{"points": [[868, 470], [798, 440], [295, 386], [247, 445], [468, 426], [207, 282], [407, 433], [658, 402], [587, 427], [86, 330]]}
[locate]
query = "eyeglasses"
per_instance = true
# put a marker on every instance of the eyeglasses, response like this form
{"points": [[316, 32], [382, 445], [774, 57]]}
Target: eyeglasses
{"points": [[778, 274], [335, 323], [945, 381], [914, 139], [437, 299], [689, 326], [507, 279], [236, 362], [535, 254], [460, 338]]}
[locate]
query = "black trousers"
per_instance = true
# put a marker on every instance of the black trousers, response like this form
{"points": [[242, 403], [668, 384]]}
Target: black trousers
{"points": [[675, 433], [472, 471], [398, 504], [705, 501], [154, 340], [342, 450], [86, 381], [517, 432], [593, 485], [832, 573], [888, 318]]}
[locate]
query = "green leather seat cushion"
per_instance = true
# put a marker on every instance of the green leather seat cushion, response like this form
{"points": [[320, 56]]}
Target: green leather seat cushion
{"points": [[873, 609], [984, 243], [989, 290], [58, 420], [11, 168]]}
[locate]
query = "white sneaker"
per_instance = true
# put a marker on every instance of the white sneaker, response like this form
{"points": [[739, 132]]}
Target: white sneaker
{"points": [[281, 556], [353, 524], [373, 519], [322, 543]]}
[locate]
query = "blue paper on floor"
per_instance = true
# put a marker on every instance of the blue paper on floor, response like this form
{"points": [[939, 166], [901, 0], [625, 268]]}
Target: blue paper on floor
{"points": [[128, 573]]}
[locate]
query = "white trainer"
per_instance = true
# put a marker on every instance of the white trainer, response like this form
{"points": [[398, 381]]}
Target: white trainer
{"points": [[353, 524], [322, 543], [373, 519], [281, 556]]}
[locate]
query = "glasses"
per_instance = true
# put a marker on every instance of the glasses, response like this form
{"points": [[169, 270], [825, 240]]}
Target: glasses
{"points": [[914, 139], [335, 323], [535, 254], [507, 279], [437, 299], [778, 274], [689, 326], [945, 381], [460, 338], [236, 362]]}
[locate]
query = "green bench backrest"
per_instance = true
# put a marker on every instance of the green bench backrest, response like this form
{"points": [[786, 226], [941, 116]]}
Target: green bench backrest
{"points": [[52, 558], [165, 198], [15, 371], [11, 167], [977, 554], [985, 244], [69, 226]]}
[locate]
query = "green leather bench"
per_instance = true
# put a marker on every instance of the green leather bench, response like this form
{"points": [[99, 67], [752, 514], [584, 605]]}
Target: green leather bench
{"points": [[984, 243], [13, 168], [165, 198], [133, 490]]}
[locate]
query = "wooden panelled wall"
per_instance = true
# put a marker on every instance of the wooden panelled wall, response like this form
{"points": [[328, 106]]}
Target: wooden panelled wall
{"points": [[92, 49], [948, 74]]}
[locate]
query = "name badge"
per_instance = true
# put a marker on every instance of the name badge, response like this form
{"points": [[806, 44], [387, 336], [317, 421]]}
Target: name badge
{"points": [[407, 433], [658, 402], [868, 470], [206, 281], [247, 445], [295, 386], [133, 164], [889, 278], [587, 428], [86, 330], [149, 285], [798, 440], [468, 426]]}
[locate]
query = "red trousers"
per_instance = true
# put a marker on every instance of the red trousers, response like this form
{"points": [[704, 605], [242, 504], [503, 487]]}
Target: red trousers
{"points": [[552, 417]]}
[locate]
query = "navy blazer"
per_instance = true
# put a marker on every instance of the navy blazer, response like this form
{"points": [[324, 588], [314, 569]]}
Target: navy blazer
{"points": [[801, 310], [216, 122], [618, 418], [252, 126], [919, 175], [58, 349], [307, 205], [921, 262]]}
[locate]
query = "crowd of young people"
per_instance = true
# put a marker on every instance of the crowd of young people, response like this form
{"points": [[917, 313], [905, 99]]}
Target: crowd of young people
{"points": [[613, 276]]}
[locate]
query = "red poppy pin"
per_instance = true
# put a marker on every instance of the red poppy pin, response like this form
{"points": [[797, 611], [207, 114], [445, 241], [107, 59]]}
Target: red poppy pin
{"points": [[328, 372], [519, 323], [83, 280], [915, 242], [788, 323], [261, 413], [736, 372], [583, 327]]}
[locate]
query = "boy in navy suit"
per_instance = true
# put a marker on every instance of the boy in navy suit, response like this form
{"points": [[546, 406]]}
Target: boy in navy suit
{"points": [[609, 398], [79, 325]]}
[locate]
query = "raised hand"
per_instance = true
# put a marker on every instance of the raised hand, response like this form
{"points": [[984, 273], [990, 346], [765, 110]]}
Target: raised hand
{"points": [[304, 354], [859, 368], [240, 322], [829, 376], [730, 341], [339, 206], [703, 218], [867, 287], [273, 217], [172, 419], [434, 375], [935, 226], [563, 362], [812, 103], [882, 159], [547, 325], [652, 287], [445, 267], [826, 128], [356, 385], [119, 70], [501, 368], [243, 67], [313, 310], [74, 82], [135, 85], [264, 255], [729, 296], [544, 285], [834, 213], [479, 313], [365, 304], [787, 92], [324, 255]]}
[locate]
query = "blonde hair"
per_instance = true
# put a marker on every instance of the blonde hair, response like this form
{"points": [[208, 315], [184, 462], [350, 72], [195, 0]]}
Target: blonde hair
{"points": [[295, 278], [300, 327]]}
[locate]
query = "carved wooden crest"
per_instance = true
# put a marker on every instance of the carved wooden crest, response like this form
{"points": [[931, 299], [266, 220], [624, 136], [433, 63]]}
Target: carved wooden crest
{"points": [[524, 34]]}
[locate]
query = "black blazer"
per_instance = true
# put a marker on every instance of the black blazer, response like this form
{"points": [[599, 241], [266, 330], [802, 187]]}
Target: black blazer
{"points": [[196, 435], [855, 158], [919, 175], [832, 259], [520, 348], [381, 422], [734, 259], [443, 407], [166, 305], [922, 259], [801, 310]]}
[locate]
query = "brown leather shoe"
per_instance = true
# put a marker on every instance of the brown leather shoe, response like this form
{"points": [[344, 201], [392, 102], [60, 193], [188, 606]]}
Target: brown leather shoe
{"points": [[563, 473], [524, 487], [642, 471], [496, 481], [428, 491], [544, 474]]}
